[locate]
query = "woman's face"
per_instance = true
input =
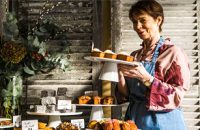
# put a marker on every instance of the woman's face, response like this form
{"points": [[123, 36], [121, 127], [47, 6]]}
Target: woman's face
{"points": [[146, 26]]}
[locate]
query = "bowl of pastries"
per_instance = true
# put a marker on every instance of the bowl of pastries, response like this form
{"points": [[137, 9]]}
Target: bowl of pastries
{"points": [[112, 124], [67, 126], [5, 122]]}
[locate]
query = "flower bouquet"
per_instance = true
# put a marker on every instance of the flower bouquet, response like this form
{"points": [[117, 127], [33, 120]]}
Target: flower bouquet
{"points": [[21, 57]]}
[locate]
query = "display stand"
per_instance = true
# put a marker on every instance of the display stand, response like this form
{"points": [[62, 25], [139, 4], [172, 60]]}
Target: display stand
{"points": [[97, 110], [54, 118]]}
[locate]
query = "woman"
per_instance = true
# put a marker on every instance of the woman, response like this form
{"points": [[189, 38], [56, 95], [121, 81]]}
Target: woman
{"points": [[156, 88]]}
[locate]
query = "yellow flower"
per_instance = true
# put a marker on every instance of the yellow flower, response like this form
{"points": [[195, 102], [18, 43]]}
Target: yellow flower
{"points": [[13, 52]]}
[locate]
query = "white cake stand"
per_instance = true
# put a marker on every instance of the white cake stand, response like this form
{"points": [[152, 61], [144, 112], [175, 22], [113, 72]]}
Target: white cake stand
{"points": [[109, 71], [54, 118], [97, 110]]}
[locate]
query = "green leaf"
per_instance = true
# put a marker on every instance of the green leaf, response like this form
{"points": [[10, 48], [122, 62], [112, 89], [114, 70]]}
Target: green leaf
{"points": [[42, 49], [36, 42], [42, 29], [28, 70]]}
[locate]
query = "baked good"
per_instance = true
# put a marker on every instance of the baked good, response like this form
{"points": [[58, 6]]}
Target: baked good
{"points": [[51, 108], [116, 124], [41, 125], [97, 53], [67, 126], [125, 126], [40, 108], [97, 100], [110, 54], [92, 124], [124, 56], [98, 126], [84, 99], [133, 126], [108, 100], [48, 100], [5, 122], [107, 125], [48, 128]]}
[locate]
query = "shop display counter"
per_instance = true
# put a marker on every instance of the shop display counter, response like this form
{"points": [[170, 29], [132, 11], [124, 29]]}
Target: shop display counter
{"points": [[54, 118]]}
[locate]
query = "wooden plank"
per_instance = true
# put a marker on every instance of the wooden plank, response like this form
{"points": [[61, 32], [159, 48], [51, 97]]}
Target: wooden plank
{"points": [[191, 115], [192, 122], [165, 1], [59, 82], [72, 90], [190, 108], [186, 26], [191, 101], [166, 7]]}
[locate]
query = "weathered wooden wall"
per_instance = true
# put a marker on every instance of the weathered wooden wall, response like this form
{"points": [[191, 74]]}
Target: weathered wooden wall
{"points": [[181, 24], [79, 18]]}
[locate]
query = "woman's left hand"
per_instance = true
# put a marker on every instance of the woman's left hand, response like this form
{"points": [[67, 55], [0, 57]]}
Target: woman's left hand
{"points": [[138, 72]]}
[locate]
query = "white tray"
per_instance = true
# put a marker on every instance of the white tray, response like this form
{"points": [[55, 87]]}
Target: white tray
{"points": [[55, 113], [6, 126], [98, 59]]}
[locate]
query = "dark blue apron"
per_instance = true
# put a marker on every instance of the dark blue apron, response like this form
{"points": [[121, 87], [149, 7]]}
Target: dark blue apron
{"points": [[137, 110]]}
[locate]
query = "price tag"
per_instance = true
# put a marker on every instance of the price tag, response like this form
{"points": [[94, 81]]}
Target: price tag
{"points": [[30, 125], [79, 122], [64, 104]]}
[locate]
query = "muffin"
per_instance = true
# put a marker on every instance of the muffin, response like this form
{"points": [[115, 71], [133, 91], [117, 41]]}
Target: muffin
{"points": [[41, 125], [97, 100], [84, 99], [97, 53], [107, 125], [116, 124], [108, 100], [124, 56], [92, 124], [67, 126], [133, 126], [110, 54]]}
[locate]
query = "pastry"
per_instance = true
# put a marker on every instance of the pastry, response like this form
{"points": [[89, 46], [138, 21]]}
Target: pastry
{"points": [[84, 99], [124, 56], [97, 100], [92, 124], [107, 125], [132, 125], [97, 53], [110, 54], [67, 126], [125, 126], [5, 122], [116, 124], [41, 125], [108, 100]]}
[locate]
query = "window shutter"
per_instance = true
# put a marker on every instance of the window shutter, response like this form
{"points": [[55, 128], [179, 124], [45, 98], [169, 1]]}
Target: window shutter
{"points": [[181, 25], [77, 17]]}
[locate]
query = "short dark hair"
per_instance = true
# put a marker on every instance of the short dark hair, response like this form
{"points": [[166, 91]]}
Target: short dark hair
{"points": [[151, 7]]}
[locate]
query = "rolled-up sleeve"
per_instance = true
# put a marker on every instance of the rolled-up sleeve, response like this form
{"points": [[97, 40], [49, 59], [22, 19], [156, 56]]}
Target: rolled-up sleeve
{"points": [[169, 86]]}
